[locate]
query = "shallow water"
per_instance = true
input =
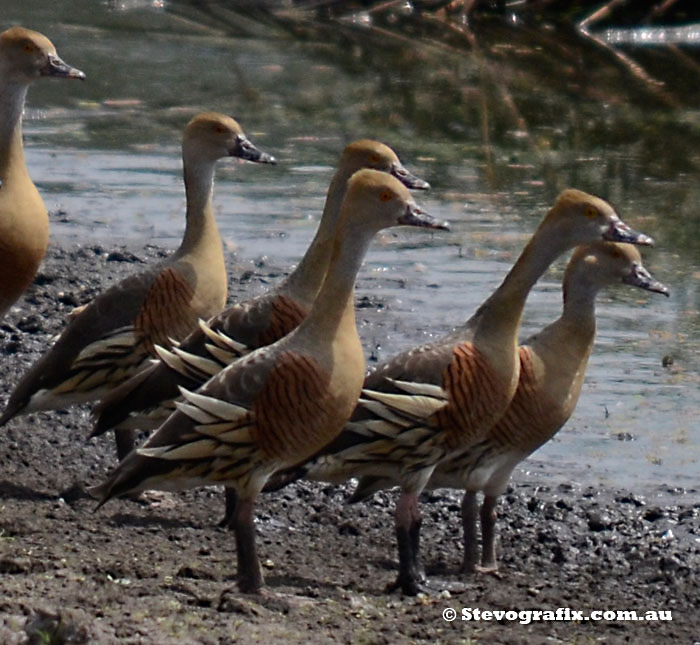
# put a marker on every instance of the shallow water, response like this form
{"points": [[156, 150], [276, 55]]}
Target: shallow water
{"points": [[497, 140]]}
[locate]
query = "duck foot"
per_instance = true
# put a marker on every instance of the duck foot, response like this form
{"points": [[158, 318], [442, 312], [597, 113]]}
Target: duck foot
{"points": [[409, 586], [490, 569], [232, 600], [412, 586], [468, 568], [154, 499]]}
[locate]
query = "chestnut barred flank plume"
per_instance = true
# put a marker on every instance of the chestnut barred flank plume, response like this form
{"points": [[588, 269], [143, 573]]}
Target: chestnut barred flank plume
{"points": [[476, 396], [515, 429], [285, 315], [121, 353], [167, 312], [295, 412]]}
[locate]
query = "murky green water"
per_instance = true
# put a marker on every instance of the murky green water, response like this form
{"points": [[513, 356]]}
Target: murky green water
{"points": [[498, 133]]}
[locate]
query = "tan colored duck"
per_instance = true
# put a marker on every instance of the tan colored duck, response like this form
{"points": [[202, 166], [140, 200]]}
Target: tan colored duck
{"points": [[24, 224], [247, 325], [552, 367], [114, 337], [441, 397], [279, 404]]}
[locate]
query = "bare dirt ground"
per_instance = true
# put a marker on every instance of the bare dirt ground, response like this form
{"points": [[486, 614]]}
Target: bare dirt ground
{"points": [[164, 572]]}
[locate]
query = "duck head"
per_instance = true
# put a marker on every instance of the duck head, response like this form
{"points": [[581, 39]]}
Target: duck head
{"points": [[26, 55]]}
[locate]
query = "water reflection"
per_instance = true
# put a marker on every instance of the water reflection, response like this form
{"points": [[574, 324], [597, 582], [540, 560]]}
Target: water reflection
{"points": [[498, 125], [684, 35]]}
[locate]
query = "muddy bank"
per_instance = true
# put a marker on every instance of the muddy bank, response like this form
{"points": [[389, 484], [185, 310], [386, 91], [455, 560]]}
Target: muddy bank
{"points": [[164, 573]]}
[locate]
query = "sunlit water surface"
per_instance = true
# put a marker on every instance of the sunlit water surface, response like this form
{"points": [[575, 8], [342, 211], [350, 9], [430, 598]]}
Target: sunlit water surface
{"points": [[105, 155]]}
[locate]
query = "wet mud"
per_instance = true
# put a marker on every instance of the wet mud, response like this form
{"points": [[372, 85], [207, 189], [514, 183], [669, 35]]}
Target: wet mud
{"points": [[161, 571]]}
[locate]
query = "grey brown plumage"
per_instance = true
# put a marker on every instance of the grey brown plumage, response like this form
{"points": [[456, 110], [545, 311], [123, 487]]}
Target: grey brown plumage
{"points": [[113, 337], [281, 403], [25, 56], [427, 402], [251, 324]]}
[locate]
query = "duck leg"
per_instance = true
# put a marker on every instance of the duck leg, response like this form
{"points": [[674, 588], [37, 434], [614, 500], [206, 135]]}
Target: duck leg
{"points": [[407, 521], [250, 579], [125, 439], [414, 536], [231, 501], [488, 534], [471, 546]]}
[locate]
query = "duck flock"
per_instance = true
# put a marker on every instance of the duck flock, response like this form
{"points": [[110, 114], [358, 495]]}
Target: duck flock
{"points": [[269, 390]]}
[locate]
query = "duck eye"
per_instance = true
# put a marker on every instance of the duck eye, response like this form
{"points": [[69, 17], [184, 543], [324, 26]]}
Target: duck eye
{"points": [[386, 196], [29, 48], [220, 129], [591, 212], [374, 159]]}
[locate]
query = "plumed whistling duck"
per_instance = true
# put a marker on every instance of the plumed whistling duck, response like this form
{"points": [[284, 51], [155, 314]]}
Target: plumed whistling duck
{"points": [[114, 336], [25, 56]]}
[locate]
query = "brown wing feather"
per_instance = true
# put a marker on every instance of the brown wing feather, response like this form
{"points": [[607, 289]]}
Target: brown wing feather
{"points": [[423, 364]]}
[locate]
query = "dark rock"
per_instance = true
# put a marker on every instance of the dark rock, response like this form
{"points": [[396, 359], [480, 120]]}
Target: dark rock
{"points": [[598, 521], [654, 514], [123, 256]]}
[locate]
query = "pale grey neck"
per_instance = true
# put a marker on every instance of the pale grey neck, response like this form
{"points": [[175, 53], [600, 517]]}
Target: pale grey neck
{"points": [[199, 188], [303, 284], [12, 97], [335, 301], [506, 304], [579, 301]]}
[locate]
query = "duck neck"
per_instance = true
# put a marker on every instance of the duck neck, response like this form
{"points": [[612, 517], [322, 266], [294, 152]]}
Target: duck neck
{"points": [[200, 224], [564, 348], [12, 163], [334, 307], [499, 317], [303, 284], [578, 315]]}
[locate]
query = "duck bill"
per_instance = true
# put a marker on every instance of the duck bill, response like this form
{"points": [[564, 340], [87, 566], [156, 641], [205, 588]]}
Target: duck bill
{"points": [[416, 216], [640, 277], [244, 149], [60, 69], [407, 178], [618, 231]]}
